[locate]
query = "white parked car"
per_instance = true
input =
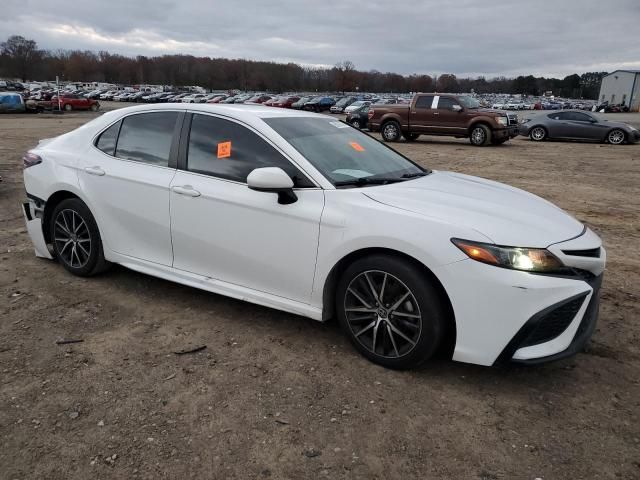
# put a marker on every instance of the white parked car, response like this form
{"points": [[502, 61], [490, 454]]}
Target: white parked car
{"points": [[356, 105], [302, 213], [194, 98]]}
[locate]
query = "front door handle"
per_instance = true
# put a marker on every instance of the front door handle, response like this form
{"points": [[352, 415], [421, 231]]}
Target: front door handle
{"points": [[94, 171], [436, 113], [186, 190]]}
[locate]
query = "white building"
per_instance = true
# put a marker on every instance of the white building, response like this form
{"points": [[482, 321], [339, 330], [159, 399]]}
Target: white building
{"points": [[621, 87]]}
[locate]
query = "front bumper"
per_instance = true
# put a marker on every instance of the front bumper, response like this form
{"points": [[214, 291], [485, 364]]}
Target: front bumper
{"points": [[498, 311], [508, 132], [634, 136]]}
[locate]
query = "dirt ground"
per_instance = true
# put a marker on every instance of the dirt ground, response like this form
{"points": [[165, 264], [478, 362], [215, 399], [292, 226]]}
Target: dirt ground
{"points": [[278, 396]]}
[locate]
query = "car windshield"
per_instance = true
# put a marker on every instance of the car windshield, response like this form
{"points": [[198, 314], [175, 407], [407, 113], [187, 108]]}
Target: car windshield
{"points": [[343, 101], [342, 153], [468, 102]]}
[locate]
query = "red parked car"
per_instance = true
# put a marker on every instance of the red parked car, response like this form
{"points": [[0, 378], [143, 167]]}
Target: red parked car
{"points": [[71, 101], [269, 103], [285, 102]]}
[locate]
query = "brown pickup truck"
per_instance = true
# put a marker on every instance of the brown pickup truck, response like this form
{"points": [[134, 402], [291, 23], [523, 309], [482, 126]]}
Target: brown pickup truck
{"points": [[457, 116]]}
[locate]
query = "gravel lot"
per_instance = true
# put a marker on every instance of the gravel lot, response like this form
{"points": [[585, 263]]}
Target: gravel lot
{"points": [[279, 396]]}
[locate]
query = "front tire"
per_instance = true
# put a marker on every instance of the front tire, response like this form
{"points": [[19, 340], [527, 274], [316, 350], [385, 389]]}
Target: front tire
{"points": [[356, 123], [480, 136], [538, 134], [76, 238], [616, 137], [68, 107], [390, 311], [391, 131]]}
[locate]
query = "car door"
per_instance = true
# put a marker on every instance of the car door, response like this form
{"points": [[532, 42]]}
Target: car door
{"points": [[126, 180], [421, 116], [584, 126], [223, 230], [558, 125], [447, 120]]}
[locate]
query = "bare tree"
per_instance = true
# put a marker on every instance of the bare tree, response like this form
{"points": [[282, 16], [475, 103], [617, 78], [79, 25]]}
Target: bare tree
{"points": [[21, 56]]}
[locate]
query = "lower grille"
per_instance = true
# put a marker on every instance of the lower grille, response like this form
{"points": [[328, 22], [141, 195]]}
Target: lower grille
{"points": [[553, 323]]}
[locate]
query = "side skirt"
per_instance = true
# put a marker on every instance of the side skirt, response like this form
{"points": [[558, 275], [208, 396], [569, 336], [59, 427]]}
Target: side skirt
{"points": [[218, 286]]}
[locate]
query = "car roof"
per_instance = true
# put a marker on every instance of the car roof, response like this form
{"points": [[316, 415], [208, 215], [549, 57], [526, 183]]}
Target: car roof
{"points": [[239, 111]]}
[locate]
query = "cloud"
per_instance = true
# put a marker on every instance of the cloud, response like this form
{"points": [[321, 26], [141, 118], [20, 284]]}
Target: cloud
{"points": [[466, 37]]}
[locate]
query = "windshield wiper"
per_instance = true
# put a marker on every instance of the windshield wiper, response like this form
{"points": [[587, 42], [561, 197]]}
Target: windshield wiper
{"points": [[362, 181], [414, 175]]}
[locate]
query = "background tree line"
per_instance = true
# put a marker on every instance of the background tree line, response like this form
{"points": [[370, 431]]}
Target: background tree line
{"points": [[22, 59]]}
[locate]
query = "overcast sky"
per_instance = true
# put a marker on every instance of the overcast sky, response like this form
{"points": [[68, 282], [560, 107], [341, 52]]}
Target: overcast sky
{"points": [[465, 37]]}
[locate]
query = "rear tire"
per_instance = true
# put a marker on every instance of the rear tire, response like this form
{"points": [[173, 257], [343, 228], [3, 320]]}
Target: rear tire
{"points": [[68, 107], [390, 311], [480, 136], [356, 123], [94, 107], [76, 239], [391, 131]]}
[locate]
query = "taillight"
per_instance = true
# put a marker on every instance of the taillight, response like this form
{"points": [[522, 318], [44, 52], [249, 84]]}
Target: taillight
{"points": [[370, 114], [30, 159]]}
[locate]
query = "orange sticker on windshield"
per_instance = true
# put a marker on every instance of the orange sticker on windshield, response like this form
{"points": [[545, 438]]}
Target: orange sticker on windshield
{"points": [[356, 146], [224, 150]]}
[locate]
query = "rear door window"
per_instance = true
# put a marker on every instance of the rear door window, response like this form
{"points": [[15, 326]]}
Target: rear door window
{"points": [[424, 101], [147, 137]]}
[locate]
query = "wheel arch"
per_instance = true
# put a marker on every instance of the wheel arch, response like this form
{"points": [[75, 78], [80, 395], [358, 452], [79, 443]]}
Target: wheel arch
{"points": [[480, 121], [331, 284], [50, 205]]}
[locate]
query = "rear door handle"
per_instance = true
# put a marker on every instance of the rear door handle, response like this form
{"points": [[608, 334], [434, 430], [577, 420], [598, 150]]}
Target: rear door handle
{"points": [[436, 113], [186, 190], [94, 171]]}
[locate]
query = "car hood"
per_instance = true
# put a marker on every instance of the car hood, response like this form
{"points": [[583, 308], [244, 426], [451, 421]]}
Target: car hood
{"points": [[505, 215]]}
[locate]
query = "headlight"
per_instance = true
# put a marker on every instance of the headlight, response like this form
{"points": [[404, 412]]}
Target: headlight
{"points": [[526, 259], [503, 120]]}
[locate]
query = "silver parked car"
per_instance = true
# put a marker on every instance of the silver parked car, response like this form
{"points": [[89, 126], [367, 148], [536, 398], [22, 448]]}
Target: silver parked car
{"points": [[577, 125]]}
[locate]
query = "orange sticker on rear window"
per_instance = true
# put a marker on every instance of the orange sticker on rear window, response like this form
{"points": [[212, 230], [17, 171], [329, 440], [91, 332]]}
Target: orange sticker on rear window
{"points": [[224, 150], [356, 146]]}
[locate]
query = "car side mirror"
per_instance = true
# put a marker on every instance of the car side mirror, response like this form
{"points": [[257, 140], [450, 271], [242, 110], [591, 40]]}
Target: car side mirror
{"points": [[275, 180], [456, 108]]}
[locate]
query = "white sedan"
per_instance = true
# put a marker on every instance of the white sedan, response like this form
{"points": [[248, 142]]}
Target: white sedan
{"points": [[303, 213]]}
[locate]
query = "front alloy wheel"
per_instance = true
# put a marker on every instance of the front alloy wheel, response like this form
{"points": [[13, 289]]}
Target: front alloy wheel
{"points": [[383, 314], [390, 311], [538, 134], [480, 135], [616, 137]]}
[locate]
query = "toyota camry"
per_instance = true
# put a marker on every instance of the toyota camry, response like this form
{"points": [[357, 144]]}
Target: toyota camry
{"points": [[299, 212]]}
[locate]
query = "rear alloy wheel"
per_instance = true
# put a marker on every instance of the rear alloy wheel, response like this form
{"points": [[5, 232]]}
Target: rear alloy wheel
{"points": [[390, 311], [94, 107], [356, 123], [68, 107], [616, 137], [76, 239], [480, 136], [537, 134], [391, 132]]}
